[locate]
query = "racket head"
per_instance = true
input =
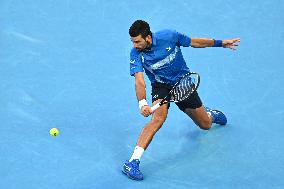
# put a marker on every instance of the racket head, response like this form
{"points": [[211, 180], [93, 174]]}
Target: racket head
{"points": [[187, 85]]}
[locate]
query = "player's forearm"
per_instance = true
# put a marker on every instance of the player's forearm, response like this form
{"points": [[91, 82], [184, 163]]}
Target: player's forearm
{"points": [[140, 90], [202, 42], [140, 86]]}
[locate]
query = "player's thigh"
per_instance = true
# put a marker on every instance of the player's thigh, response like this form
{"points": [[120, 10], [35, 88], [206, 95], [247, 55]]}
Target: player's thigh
{"points": [[160, 115], [159, 92]]}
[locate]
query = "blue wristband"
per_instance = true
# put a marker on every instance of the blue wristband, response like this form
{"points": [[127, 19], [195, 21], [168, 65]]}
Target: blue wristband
{"points": [[217, 43]]}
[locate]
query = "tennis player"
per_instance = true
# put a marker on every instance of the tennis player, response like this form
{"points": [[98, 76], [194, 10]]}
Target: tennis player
{"points": [[159, 56]]}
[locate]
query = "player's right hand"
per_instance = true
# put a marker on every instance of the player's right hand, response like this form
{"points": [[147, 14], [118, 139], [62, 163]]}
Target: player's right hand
{"points": [[146, 111]]}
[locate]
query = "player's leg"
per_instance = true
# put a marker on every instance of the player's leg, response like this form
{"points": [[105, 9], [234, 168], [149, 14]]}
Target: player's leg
{"points": [[150, 129], [131, 167], [202, 116], [159, 91]]}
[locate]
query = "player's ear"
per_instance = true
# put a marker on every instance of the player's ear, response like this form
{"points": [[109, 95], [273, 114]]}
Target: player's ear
{"points": [[148, 38]]}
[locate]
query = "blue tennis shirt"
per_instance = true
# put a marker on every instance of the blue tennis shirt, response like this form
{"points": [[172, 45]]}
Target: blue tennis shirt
{"points": [[163, 61]]}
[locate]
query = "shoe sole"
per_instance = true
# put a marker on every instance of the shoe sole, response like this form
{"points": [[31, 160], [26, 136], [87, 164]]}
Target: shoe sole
{"points": [[129, 176]]}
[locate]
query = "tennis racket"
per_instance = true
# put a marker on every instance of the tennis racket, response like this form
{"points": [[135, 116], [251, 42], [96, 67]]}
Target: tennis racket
{"points": [[182, 89]]}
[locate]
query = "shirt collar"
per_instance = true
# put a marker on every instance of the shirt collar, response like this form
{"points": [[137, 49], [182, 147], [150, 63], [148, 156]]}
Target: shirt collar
{"points": [[154, 39]]}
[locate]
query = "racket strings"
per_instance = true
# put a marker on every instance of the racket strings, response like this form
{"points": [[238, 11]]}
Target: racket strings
{"points": [[185, 87]]}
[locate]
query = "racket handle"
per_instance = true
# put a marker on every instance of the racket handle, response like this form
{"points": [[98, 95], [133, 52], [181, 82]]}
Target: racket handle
{"points": [[155, 107]]}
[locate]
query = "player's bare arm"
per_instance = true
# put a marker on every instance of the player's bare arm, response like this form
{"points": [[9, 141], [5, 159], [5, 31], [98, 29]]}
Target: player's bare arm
{"points": [[205, 42], [140, 88]]}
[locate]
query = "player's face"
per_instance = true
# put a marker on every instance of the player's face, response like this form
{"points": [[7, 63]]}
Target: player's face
{"points": [[140, 43]]}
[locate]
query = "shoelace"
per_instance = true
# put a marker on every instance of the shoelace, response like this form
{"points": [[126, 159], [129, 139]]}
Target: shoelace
{"points": [[135, 164]]}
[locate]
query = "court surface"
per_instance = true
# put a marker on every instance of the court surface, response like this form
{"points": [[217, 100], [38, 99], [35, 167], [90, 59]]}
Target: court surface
{"points": [[65, 64]]}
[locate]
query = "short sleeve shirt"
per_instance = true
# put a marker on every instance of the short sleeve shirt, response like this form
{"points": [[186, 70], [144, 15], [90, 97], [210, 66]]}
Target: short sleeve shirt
{"points": [[163, 62]]}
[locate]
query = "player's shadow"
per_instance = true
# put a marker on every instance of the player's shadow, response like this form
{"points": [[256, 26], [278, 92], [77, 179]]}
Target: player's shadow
{"points": [[192, 142]]}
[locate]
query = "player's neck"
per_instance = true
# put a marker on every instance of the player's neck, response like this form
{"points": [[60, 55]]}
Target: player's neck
{"points": [[149, 43]]}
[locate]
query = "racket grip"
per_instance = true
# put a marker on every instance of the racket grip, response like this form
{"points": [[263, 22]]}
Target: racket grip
{"points": [[155, 107]]}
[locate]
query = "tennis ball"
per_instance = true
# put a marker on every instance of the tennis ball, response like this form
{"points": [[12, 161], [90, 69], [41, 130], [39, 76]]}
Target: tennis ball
{"points": [[54, 132]]}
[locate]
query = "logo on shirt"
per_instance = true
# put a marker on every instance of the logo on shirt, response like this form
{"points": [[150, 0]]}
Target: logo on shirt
{"points": [[168, 48], [132, 61]]}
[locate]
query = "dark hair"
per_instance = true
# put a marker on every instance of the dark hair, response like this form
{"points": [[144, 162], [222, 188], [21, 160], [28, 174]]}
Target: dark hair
{"points": [[140, 27]]}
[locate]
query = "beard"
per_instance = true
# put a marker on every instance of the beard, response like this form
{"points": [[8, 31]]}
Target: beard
{"points": [[147, 47]]}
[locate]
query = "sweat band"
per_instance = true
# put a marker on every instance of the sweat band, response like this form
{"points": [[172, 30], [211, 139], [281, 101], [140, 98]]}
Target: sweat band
{"points": [[142, 103], [217, 43]]}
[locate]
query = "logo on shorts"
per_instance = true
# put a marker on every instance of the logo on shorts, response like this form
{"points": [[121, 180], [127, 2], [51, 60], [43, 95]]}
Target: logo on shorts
{"points": [[155, 96]]}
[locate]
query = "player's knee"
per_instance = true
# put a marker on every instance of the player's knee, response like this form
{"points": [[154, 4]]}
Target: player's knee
{"points": [[205, 125], [157, 122], [158, 119]]}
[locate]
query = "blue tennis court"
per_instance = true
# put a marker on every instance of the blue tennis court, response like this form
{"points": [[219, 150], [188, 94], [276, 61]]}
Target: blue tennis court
{"points": [[65, 64]]}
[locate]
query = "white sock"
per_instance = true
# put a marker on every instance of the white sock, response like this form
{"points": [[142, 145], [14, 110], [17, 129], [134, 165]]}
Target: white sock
{"points": [[137, 154], [210, 116]]}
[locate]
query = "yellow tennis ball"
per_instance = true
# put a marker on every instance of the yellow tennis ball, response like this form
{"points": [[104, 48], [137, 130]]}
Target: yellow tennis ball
{"points": [[54, 132]]}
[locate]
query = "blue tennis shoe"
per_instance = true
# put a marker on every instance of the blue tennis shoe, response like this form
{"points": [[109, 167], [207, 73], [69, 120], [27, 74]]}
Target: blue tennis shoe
{"points": [[218, 116], [131, 169]]}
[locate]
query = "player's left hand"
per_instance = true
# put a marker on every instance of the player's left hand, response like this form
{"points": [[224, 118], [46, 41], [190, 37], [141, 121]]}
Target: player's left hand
{"points": [[231, 43]]}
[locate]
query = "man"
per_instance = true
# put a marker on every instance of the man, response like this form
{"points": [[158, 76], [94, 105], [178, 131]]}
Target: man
{"points": [[159, 55]]}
